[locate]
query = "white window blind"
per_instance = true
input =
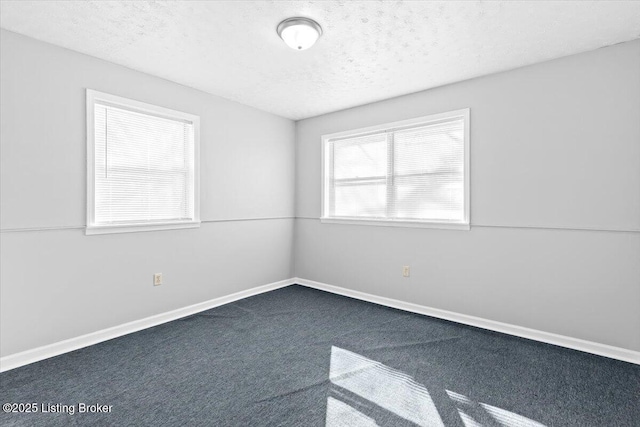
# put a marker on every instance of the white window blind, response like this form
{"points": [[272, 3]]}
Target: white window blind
{"points": [[406, 172], [359, 177], [144, 172]]}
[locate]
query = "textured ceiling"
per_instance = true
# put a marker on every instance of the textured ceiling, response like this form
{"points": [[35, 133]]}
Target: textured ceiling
{"points": [[370, 50]]}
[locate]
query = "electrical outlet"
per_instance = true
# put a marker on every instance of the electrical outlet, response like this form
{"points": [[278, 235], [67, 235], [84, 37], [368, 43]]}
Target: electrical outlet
{"points": [[406, 271], [157, 279]]}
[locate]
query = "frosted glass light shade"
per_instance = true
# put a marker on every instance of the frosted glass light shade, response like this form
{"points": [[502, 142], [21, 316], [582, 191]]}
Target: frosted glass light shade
{"points": [[299, 33]]}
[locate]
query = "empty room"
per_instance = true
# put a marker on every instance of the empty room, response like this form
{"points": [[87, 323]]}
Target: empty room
{"points": [[320, 213]]}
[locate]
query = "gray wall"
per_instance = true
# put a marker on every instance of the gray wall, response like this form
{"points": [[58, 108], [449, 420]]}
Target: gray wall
{"points": [[57, 283], [555, 238], [555, 203]]}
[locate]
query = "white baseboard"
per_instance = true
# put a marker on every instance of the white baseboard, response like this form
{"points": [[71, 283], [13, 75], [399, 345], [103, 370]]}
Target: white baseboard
{"points": [[40, 353], [34, 355], [532, 334]]}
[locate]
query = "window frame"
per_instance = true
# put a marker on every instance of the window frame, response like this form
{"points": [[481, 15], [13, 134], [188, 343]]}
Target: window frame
{"points": [[94, 97], [464, 224]]}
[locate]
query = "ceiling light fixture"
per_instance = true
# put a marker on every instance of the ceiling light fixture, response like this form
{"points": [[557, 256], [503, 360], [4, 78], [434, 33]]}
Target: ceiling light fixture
{"points": [[299, 33]]}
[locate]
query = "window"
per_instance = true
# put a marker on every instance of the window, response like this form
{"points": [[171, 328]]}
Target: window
{"points": [[142, 166], [410, 173]]}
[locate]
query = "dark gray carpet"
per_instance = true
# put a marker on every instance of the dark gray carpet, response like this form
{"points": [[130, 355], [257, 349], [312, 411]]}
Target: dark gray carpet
{"points": [[301, 357]]}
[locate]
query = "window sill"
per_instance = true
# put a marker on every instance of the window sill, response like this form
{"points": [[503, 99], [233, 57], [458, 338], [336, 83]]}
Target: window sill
{"points": [[397, 223], [135, 228]]}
